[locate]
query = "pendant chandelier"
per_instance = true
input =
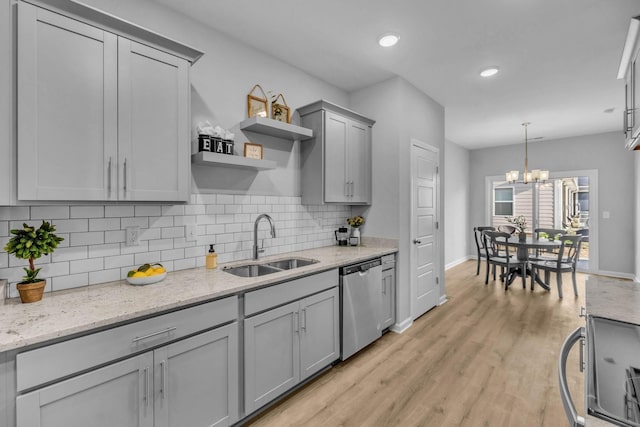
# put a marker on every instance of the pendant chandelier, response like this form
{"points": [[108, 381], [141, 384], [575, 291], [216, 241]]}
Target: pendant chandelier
{"points": [[536, 175]]}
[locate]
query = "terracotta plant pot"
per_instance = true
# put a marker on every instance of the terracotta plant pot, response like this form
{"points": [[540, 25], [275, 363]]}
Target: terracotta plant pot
{"points": [[31, 292]]}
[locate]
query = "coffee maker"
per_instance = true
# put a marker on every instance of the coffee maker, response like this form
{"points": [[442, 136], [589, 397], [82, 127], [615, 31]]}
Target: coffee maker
{"points": [[342, 236]]}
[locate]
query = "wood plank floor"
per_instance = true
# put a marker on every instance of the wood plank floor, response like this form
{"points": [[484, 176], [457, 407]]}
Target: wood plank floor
{"points": [[485, 358]]}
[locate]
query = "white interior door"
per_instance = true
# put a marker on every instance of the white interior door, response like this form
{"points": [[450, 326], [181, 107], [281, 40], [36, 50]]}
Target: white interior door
{"points": [[424, 223]]}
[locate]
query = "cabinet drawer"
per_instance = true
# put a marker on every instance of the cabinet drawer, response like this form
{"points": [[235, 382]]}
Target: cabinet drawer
{"points": [[273, 296], [66, 358]]}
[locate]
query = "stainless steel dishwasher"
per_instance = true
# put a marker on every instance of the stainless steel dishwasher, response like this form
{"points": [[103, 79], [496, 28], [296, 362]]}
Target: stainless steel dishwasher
{"points": [[360, 305]]}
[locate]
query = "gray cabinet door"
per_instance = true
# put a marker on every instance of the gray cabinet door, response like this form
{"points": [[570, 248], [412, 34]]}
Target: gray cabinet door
{"points": [[67, 108], [387, 314], [153, 124], [117, 395], [272, 355], [196, 380], [359, 162], [336, 133], [319, 331]]}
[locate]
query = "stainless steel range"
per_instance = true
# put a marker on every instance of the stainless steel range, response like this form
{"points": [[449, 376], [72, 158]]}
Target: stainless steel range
{"points": [[612, 372], [613, 384]]}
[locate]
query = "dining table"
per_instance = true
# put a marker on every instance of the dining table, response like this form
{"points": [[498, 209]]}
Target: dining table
{"points": [[523, 250]]}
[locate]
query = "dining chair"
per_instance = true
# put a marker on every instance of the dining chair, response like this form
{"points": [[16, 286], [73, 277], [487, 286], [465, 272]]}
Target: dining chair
{"points": [[566, 261], [477, 234], [498, 255], [551, 234], [506, 229]]}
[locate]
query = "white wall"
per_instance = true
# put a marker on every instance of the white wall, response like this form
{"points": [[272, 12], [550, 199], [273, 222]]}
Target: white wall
{"points": [[402, 113], [603, 152], [456, 204], [6, 111]]}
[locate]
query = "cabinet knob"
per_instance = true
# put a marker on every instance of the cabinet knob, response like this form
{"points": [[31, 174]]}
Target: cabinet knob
{"points": [[416, 241]]}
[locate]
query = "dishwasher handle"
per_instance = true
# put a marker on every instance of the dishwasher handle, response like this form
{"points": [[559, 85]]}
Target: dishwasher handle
{"points": [[361, 267], [569, 408]]}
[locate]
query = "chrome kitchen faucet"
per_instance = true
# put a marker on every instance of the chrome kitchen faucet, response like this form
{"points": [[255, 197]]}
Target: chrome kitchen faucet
{"points": [[256, 251]]}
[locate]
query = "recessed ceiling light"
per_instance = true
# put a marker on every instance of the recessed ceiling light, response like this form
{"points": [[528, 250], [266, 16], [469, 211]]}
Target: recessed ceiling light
{"points": [[490, 71], [609, 110], [388, 40]]}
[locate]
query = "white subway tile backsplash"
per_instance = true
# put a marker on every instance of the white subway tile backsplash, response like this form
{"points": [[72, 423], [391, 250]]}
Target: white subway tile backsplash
{"points": [[109, 249], [87, 212], [147, 258], [172, 254], [94, 251], [103, 276], [142, 222], [118, 261], [119, 211], [88, 238], [148, 210], [114, 236], [171, 232], [86, 265], [14, 213], [49, 212], [71, 225], [160, 244], [160, 221], [71, 281], [70, 253], [173, 210], [104, 224]]}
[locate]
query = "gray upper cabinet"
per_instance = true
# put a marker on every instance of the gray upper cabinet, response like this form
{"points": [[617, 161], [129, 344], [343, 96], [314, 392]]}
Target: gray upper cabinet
{"points": [[336, 162], [100, 116], [629, 71]]}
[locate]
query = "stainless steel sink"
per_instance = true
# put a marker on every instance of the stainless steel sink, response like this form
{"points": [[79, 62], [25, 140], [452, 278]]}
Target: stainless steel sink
{"points": [[251, 270], [289, 263], [255, 270]]}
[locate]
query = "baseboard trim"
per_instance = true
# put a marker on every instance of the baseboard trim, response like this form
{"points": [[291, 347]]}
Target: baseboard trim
{"points": [[443, 299], [615, 274], [399, 328], [458, 262]]}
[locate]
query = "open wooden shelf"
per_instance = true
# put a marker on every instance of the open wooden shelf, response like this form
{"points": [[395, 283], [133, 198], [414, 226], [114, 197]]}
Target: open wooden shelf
{"points": [[215, 159], [275, 128]]}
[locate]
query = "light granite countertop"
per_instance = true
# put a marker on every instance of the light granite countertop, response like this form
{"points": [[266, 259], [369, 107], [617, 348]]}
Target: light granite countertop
{"points": [[79, 310], [612, 299]]}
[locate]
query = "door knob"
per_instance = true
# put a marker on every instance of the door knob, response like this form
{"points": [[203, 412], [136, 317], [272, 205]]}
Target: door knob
{"points": [[416, 241]]}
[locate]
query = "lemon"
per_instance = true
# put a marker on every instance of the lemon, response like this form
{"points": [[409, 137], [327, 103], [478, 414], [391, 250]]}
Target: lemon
{"points": [[150, 272], [138, 274], [159, 270]]}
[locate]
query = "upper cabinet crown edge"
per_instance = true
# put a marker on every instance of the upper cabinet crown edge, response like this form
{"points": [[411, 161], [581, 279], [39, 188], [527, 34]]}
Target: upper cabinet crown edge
{"points": [[107, 21], [323, 104]]}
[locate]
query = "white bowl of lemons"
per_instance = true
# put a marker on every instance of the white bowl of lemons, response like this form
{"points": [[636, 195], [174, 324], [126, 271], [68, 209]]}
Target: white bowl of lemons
{"points": [[146, 274]]}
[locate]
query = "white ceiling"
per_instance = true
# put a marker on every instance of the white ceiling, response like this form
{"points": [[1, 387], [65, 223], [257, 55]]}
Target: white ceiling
{"points": [[558, 58]]}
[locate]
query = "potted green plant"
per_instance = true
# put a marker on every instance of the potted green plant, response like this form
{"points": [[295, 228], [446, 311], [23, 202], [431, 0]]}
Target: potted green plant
{"points": [[31, 243]]}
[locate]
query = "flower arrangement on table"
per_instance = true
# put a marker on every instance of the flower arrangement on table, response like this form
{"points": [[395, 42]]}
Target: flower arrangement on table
{"points": [[519, 222], [355, 221]]}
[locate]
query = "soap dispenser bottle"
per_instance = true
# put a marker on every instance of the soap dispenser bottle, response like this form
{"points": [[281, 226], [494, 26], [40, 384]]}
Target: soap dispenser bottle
{"points": [[212, 258]]}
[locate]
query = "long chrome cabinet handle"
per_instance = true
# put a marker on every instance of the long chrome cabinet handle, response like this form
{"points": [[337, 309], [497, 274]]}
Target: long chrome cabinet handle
{"points": [[304, 319], [163, 378], [125, 174], [109, 178], [569, 408], [146, 386], [144, 337]]}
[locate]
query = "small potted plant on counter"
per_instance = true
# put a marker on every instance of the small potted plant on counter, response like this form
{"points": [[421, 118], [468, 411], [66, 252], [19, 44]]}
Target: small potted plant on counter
{"points": [[31, 243], [355, 222]]}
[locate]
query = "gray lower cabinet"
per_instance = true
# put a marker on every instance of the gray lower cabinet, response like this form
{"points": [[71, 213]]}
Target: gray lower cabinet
{"points": [[285, 345], [193, 382], [116, 395], [387, 314]]}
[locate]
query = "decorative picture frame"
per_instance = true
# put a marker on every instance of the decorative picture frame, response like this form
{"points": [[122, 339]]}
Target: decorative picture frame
{"points": [[257, 106], [253, 151], [280, 112]]}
